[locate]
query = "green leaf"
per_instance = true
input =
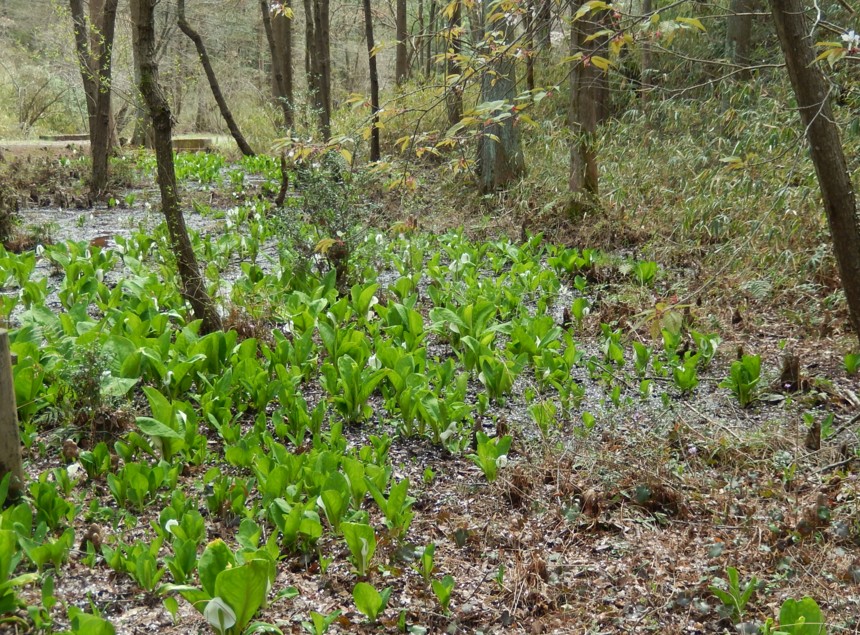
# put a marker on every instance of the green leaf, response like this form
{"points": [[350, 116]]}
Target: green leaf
{"points": [[92, 625], [694, 22], [801, 617], [215, 559], [369, 601], [154, 428], [361, 540], [244, 589]]}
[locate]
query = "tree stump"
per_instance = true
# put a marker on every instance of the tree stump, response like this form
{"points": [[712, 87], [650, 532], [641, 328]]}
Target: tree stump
{"points": [[10, 440]]}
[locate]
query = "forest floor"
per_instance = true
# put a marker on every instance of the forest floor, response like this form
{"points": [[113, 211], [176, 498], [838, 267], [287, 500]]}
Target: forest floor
{"points": [[622, 528]]}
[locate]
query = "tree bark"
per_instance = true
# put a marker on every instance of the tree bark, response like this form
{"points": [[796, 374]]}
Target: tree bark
{"points": [[10, 441], [282, 30], [323, 59], [310, 51], [422, 34], [95, 62], [375, 151], [583, 108], [279, 36], [401, 67], [454, 91], [194, 36], [529, 25], [193, 287], [739, 34], [813, 99], [500, 155], [431, 35]]}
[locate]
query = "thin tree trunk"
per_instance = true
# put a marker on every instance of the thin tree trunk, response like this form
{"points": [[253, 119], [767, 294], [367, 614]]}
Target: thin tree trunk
{"points": [[401, 69], [282, 28], [500, 155], [323, 58], [431, 35], [310, 52], [96, 61], [10, 440], [583, 108], [530, 24], [193, 287], [194, 36], [739, 34], [454, 94], [422, 34], [813, 99], [280, 45], [374, 83]]}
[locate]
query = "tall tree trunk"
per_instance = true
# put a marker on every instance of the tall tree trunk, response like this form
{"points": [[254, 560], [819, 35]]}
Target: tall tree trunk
{"points": [[583, 107], [323, 53], [738, 34], [282, 30], [374, 82], [310, 51], [422, 34], [142, 135], [454, 87], [10, 440], [279, 37], [529, 25], [95, 62], [500, 155], [194, 36], [193, 287], [431, 35], [822, 132], [401, 67]]}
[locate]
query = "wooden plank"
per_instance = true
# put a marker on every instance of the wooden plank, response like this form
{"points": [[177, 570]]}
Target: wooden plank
{"points": [[10, 439]]}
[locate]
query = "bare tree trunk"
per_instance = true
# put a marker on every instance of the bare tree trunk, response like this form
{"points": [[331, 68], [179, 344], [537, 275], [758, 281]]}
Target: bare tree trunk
{"points": [[583, 108], [431, 35], [738, 34], [375, 151], [529, 24], [194, 36], [282, 30], [95, 63], [279, 37], [10, 441], [323, 53], [193, 287], [813, 99], [310, 51], [422, 34], [401, 68], [454, 94], [500, 155]]}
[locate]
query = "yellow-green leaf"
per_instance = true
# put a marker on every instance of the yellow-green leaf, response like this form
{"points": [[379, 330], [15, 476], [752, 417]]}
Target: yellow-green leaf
{"points": [[694, 22]]}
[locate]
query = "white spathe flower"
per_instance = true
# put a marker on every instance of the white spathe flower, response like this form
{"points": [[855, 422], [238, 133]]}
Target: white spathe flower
{"points": [[170, 524], [851, 39], [219, 615]]}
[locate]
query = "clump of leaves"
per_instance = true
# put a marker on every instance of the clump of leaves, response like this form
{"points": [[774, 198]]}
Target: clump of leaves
{"points": [[492, 454], [735, 598], [370, 601], [743, 379]]}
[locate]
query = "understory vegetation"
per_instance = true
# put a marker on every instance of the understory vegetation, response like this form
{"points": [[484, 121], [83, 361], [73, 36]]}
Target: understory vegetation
{"points": [[425, 431], [430, 409]]}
